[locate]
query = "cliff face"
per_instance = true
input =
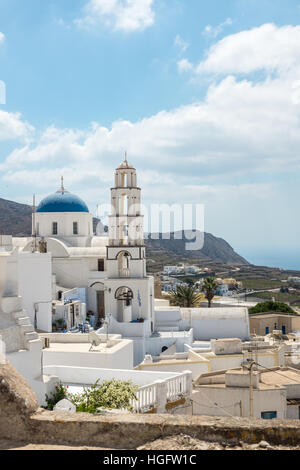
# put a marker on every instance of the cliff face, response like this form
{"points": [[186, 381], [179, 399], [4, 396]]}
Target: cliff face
{"points": [[15, 219]]}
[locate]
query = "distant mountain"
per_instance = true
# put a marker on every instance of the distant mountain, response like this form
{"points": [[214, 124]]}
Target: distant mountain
{"points": [[15, 219], [215, 249]]}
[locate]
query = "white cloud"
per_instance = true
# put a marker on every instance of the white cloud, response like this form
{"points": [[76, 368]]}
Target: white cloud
{"points": [[185, 65], [267, 47], [2, 37], [13, 127], [241, 127], [119, 15], [180, 43], [214, 31]]}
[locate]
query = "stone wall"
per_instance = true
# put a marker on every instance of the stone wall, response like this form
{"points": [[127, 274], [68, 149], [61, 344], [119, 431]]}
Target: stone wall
{"points": [[131, 431], [17, 403]]}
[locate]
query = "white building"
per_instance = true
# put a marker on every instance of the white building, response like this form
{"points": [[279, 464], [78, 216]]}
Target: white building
{"points": [[207, 323], [74, 350], [276, 393], [168, 270], [191, 269], [19, 343], [216, 355]]}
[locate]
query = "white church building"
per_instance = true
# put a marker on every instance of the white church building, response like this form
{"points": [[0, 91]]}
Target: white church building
{"points": [[111, 270]]}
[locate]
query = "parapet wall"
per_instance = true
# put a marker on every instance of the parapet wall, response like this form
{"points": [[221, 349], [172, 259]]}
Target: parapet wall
{"points": [[132, 431]]}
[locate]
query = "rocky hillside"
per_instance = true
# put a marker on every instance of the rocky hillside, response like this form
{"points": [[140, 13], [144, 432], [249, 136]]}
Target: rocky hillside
{"points": [[15, 219], [214, 248]]}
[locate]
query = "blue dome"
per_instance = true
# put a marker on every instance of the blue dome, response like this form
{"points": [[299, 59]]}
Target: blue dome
{"points": [[62, 202]]}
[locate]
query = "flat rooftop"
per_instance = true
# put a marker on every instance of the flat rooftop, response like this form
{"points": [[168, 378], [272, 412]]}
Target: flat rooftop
{"points": [[281, 376], [261, 386], [85, 347]]}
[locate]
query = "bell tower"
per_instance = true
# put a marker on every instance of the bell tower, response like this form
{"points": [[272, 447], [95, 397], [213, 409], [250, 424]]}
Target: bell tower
{"points": [[130, 290], [126, 225]]}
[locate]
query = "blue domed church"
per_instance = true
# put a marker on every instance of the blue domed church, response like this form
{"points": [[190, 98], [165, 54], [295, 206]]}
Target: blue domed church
{"points": [[64, 215]]}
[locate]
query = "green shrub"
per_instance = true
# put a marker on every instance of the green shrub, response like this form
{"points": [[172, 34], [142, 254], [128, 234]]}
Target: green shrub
{"points": [[61, 392], [270, 306], [111, 394]]}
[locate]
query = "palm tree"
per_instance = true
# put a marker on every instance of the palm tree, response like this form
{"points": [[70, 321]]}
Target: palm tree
{"points": [[209, 288], [186, 296]]}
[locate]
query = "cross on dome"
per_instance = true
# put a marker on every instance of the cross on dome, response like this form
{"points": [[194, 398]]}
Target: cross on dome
{"points": [[62, 189]]}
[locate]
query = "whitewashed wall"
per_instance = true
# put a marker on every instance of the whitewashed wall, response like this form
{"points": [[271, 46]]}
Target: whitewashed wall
{"points": [[35, 287], [119, 356], [88, 375], [231, 400]]}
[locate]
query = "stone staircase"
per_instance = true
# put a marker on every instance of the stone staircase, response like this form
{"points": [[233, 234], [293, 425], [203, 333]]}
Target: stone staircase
{"points": [[12, 308]]}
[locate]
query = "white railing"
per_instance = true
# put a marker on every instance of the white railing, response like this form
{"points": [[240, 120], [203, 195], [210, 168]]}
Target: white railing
{"points": [[158, 394], [177, 387], [147, 398]]}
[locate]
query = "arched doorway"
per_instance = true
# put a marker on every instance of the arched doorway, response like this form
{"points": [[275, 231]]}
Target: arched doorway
{"points": [[100, 302]]}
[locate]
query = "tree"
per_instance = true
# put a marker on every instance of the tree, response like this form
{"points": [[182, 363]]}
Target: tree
{"points": [[186, 296], [209, 287], [271, 306]]}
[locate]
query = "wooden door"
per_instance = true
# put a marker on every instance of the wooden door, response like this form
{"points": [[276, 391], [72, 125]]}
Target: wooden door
{"points": [[100, 305]]}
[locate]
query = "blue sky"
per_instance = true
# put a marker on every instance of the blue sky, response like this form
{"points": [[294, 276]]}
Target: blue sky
{"points": [[203, 95]]}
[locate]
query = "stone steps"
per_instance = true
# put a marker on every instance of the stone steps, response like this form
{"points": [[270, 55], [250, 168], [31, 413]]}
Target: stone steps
{"points": [[24, 321], [11, 304], [27, 328], [19, 314], [31, 336]]}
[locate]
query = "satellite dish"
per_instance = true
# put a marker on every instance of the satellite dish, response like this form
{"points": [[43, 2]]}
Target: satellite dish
{"points": [[94, 339]]}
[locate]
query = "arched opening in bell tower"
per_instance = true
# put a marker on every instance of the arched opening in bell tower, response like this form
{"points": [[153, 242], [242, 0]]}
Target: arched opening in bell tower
{"points": [[124, 259], [124, 296]]}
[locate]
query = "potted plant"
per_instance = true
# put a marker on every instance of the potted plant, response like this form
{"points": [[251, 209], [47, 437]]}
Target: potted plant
{"points": [[60, 323]]}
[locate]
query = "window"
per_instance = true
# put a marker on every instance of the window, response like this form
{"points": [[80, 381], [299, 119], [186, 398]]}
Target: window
{"points": [[54, 228], [267, 330], [75, 228], [283, 329], [269, 415], [100, 265]]}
